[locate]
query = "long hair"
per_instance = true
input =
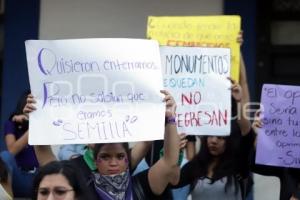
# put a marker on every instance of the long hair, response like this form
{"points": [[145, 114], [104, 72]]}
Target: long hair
{"points": [[292, 176], [227, 165], [19, 110], [69, 171]]}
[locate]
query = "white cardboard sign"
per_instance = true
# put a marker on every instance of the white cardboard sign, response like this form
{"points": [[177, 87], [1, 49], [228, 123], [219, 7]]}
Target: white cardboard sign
{"points": [[95, 91], [197, 77]]}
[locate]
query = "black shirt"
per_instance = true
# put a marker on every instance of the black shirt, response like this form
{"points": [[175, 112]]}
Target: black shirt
{"points": [[140, 184]]}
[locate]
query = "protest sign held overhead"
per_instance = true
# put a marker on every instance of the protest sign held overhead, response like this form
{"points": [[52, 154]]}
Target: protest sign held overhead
{"points": [[279, 138], [95, 91], [199, 31], [197, 78]]}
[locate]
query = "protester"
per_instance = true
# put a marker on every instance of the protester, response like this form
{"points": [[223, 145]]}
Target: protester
{"points": [[59, 180], [153, 155], [220, 168], [113, 164], [289, 177], [16, 138]]}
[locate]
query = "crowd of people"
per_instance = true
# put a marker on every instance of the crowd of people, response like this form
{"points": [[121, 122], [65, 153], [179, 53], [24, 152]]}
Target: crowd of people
{"points": [[220, 168]]}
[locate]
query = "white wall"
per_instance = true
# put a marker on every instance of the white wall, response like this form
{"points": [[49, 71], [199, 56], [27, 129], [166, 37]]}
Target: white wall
{"points": [[62, 19]]}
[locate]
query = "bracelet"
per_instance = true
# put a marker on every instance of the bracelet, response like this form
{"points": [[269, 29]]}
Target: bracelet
{"points": [[170, 120]]}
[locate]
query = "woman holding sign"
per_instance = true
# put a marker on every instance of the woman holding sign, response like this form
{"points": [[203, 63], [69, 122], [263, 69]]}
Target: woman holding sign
{"points": [[289, 177], [22, 161], [112, 177], [219, 169]]}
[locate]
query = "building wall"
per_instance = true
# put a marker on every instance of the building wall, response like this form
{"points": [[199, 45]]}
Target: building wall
{"points": [[111, 18], [20, 24]]}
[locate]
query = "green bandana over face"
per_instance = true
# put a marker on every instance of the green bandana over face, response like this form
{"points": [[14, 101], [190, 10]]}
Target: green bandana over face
{"points": [[89, 159]]}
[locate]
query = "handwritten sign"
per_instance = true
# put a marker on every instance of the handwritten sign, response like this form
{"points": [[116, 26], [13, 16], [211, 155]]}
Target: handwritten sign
{"points": [[279, 140], [199, 31], [198, 79], [95, 91]]}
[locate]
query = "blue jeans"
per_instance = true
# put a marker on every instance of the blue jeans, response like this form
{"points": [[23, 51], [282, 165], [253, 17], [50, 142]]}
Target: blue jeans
{"points": [[21, 180]]}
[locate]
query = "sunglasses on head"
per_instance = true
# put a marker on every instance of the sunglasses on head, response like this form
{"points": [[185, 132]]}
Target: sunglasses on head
{"points": [[57, 192]]}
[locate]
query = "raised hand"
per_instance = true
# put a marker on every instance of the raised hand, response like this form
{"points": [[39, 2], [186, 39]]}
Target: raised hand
{"points": [[236, 89], [29, 107], [170, 104], [257, 123]]}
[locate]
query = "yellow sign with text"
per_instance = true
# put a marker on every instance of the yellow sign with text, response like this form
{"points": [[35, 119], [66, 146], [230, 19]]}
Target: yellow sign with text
{"points": [[199, 31]]}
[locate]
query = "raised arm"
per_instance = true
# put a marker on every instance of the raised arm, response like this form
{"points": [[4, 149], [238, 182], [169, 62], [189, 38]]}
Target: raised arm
{"points": [[243, 74], [243, 80], [256, 124], [14, 145], [165, 170], [138, 152], [29, 107], [43, 153], [242, 119]]}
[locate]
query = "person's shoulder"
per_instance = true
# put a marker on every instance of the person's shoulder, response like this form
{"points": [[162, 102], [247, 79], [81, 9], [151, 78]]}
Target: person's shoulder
{"points": [[142, 189], [78, 161], [9, 126], [9, 123]]}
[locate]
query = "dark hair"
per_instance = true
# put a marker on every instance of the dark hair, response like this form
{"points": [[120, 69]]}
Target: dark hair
{"points": [[19, 110], [21, 103], [292, 177], [125, 145], [69, 171], [228, 161]]}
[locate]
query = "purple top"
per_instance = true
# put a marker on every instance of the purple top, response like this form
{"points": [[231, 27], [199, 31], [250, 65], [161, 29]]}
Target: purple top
{"points": [[26, 158]]}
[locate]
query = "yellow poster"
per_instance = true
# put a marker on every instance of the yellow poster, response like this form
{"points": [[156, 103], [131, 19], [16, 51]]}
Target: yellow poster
{"points": [[200, 31]]}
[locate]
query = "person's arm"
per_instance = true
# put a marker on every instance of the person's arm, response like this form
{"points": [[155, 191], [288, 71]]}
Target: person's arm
{"points": [[138, 152], [19, 118], [243, 80], [165, 170], [29, 107], [13, 144], [43, 153], [186, 174], [190, 147], [242, 120], [243, 74], [246, 96]]}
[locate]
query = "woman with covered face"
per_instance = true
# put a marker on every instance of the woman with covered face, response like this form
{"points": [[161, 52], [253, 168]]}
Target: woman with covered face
{"points": [[108, 172], [219, 169], [112, 179]]}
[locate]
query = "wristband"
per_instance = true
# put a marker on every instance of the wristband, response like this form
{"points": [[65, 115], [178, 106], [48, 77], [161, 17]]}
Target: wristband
{"points": [[170, 120]]}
